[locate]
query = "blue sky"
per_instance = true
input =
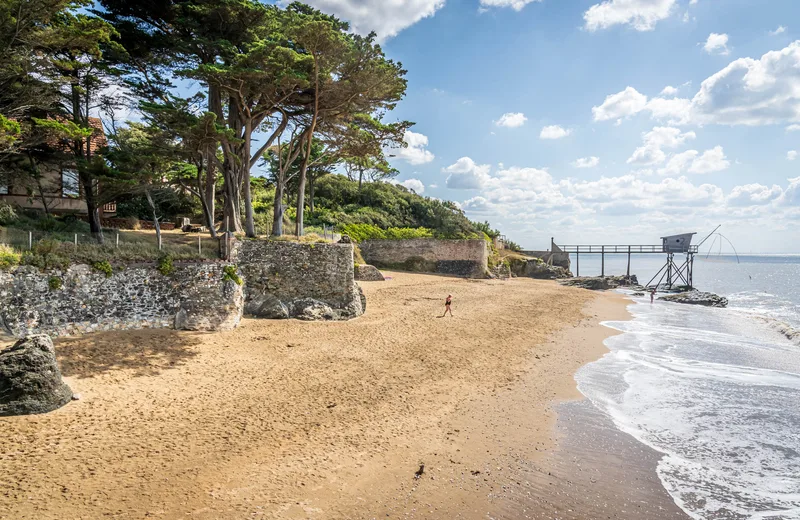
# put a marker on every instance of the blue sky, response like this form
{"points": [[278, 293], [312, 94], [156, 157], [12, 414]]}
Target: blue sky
{"points": [[627, 159]]}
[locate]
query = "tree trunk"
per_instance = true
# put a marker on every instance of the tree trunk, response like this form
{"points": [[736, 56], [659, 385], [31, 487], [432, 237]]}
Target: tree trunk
{"points": [[311, 182], [360, 178], [209, 193], [156, 225], [301, 188], [93, 212], [250, 225]]}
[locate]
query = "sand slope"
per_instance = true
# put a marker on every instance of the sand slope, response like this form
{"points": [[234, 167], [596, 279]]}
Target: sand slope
{"points": [[288, 419]]}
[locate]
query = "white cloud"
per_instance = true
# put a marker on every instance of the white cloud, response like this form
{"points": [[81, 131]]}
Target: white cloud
{"points": [[517, 5], [621, 105], [554, 132], [780, 30], [586, 162], [793, 128], [511, 120], [717, 44], [386, 18], [642, 15], [414, 184], [651, 152], [791, 155], [416, 152], [746, 92], [466, 175], [713, 160], [669, 91]]}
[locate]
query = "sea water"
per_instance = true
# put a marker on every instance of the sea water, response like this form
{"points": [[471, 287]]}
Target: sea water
{"points": [[715, 391]]}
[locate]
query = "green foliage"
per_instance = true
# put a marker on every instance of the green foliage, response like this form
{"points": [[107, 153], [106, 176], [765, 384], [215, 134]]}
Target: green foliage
{"points": [[230, 273], [46, 255], [513, 246], [165, 265], [8, 215], [8, 257], [54, 283], [361, 232], [104, 267]]}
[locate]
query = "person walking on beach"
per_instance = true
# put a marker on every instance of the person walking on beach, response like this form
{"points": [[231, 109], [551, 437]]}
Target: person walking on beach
{"points": [[447, 302], [652, 295]]}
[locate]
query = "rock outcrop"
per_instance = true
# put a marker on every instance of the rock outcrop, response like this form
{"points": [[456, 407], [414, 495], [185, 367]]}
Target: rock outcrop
{"points": [[368, 273], [30, 381], [706, 299], [599, 283]]}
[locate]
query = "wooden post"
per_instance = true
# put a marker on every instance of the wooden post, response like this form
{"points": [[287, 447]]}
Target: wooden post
{"points": [[117, 240], [577, 262], [629, 261], [603, 261], [199, 245], [30, 240], [76, 241]]}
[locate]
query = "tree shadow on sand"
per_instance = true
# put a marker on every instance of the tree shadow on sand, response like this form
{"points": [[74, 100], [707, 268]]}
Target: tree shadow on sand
{"points": [[145, 352]]}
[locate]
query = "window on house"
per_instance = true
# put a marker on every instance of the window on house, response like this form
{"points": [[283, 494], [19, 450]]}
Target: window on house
{"points": [[3, 189], [69, 184]]}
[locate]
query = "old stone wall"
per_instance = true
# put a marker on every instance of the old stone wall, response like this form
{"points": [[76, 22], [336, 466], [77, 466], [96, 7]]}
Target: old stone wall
{"points": [[298, 280], [468, 258], [556, 258], [81, 299]]}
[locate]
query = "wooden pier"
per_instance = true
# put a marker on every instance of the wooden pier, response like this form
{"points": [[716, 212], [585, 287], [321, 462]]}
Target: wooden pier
{"points": [[670, 246]]}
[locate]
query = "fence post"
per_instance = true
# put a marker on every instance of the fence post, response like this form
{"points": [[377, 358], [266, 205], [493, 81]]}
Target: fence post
{"points": [[30, 240], [76, 241], [117, 240], [199, 245]]}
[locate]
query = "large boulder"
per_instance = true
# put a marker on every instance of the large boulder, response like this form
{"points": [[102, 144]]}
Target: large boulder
{"points": [[368, 273], [706, 299], [30, 381], [266, 306], [204, 309], [601, 283]]}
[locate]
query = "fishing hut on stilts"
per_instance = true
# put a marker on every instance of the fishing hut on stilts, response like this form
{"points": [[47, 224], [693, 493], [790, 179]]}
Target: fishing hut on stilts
{"points": [[678, 267]]}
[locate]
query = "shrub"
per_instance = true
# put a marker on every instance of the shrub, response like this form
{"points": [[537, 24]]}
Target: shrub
{"points": [[165, 265], [103, 267], [54, 283], [46, 254], [230, 274], [8, 257], [361, 232], [8, 215]]}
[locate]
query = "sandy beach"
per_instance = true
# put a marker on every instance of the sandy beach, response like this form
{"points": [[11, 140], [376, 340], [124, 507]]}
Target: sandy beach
{"points": [[288, 419]]}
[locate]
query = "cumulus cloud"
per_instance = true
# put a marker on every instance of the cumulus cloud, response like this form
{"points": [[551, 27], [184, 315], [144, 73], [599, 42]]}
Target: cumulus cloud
{"points": [[386, 18], [669, 91], [717, 44], [748, 91], [642, 15], [793, 128], [415, 185], [651, 152], [466, 175], [692, 161], [554, 132], [713, 160], [780, 30], [511, 120], [620, 105], [516, 5], [416, 152], [791, 155], [586, 162]]}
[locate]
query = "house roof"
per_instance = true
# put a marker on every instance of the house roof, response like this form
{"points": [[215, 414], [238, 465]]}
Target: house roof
{"points": [[679, 235], [98, 140]]}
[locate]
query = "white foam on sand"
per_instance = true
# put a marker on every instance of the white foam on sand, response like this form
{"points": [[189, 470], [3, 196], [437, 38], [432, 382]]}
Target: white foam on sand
{"points": [[718, 394]]}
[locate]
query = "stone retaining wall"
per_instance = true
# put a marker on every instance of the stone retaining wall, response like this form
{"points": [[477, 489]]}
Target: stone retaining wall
{"points": [[194, 297], [468, 258], [298, 280]]}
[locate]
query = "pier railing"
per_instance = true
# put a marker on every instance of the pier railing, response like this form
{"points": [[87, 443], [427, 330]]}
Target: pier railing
{"points": [[626, 249]]}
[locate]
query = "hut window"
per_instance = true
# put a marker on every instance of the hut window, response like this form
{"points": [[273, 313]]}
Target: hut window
{"points": [[3, 189]]}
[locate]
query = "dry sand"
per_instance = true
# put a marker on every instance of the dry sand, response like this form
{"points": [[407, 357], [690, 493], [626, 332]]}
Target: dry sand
{"points": [[286, 419]]}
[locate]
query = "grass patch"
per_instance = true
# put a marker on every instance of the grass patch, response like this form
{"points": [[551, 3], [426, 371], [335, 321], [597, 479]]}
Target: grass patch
{"points": [[8, 257], [230, 273]]}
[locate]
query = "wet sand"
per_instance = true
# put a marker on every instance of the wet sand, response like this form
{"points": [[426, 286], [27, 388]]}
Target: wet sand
{"points": [[318, 420]]}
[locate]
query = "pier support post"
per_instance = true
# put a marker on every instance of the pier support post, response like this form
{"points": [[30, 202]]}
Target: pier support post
{"points": [[577, 263], [629, 262], [603, 261]]}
